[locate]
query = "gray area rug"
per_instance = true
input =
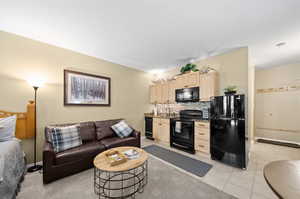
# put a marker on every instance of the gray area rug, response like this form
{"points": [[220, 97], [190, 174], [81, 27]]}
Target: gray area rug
{"points": [[165, 182], [186, 163]]}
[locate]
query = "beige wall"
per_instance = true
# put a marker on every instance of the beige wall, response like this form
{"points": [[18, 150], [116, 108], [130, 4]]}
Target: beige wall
{"points": [[232, 68], [21, 58], [279, 110], [251, 101]]}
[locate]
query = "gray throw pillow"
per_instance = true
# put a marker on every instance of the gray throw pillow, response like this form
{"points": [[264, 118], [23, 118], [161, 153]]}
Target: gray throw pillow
{"points": [[122, 129]]}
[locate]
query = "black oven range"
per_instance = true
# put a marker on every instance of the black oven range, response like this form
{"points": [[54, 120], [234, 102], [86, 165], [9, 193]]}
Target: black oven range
{"points": [[182, 130]]}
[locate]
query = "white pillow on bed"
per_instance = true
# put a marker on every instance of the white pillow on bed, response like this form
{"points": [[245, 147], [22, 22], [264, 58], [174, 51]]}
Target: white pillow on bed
{"points": [[8, 127]]}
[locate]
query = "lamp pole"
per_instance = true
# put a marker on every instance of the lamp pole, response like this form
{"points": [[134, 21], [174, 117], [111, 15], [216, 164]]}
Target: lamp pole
{"points": [[35, 167]]}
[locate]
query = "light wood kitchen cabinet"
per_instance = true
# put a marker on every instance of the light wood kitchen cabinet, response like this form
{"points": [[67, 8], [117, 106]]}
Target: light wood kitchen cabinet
{"points": [[209, 85], [165, 93], [180, 82], [193, 79], [155, 127], [202, 137], [188, 80], [159, 93], [172, 88], [156, 94], [152, 94], [161, 130]]}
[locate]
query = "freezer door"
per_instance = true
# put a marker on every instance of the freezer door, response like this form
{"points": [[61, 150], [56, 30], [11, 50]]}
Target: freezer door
{"points": [[232, 107]]}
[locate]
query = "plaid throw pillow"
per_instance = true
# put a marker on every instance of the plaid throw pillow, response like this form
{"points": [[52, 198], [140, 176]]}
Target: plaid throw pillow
{"points": [[63, 138], [122, 129]]}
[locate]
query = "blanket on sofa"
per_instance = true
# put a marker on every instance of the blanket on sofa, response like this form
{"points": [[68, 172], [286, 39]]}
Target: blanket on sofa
{"points": [[12, 168]]}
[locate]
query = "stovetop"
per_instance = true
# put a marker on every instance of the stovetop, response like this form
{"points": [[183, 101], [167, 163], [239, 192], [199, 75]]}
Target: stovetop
{"points": [[191, 119], [191, 115]]}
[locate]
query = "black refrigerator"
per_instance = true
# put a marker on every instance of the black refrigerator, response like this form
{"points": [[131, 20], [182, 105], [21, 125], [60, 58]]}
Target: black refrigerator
{"points": [[228, 127]]}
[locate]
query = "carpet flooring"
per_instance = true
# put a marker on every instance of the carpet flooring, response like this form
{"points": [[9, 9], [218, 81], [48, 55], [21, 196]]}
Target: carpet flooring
{"points": [[186, 163], [164, 182]]}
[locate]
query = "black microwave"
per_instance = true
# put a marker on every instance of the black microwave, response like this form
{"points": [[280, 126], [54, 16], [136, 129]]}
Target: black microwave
{"points": [[187, 94]]}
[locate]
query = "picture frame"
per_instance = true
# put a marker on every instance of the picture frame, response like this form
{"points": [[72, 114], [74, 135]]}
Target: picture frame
{"points": [[85, 89]]}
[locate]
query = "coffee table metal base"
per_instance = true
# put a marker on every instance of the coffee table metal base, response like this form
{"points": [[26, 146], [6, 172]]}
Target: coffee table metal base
{"points": [[123, 184]]}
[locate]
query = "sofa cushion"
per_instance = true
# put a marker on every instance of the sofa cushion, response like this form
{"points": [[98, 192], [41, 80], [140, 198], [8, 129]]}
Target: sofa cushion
{"points": [[122, 129], [103, 128], [87, 131], [88, 150], [116, 142]]}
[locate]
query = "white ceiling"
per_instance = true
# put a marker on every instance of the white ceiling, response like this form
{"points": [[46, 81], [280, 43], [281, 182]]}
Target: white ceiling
{"points": [[154, 34]]}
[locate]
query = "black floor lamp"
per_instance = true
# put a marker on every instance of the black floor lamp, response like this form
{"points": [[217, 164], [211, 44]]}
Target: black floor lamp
{"points": [[35, 85]]}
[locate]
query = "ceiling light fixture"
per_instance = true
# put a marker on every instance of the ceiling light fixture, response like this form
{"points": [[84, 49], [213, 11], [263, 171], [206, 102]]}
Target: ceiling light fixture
{"points": [[280, 44]]}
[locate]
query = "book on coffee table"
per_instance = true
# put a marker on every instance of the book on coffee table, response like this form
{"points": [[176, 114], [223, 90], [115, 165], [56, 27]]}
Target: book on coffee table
{"points": [[131, 154]]}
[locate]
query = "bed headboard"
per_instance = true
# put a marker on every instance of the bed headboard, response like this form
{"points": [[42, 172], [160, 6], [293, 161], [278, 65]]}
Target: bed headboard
{"points": [[25, 121]]}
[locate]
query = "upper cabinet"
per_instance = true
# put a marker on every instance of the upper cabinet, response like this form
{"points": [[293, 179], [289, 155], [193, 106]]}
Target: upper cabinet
{"points": [[172, 88], [152, 94], [156, 94], [163, 93], [187, 80], [193, 79], [159, 93], [209, 85]]}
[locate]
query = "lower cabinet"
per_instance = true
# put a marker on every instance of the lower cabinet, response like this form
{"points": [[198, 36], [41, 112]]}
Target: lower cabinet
{"points": [[161, 130], [202, 137]]}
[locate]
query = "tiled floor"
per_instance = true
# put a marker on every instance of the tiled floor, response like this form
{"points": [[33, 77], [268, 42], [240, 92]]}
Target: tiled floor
{"points": [[244, 184]]}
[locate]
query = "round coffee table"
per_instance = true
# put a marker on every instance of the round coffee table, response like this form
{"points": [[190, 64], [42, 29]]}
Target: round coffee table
{"points": [[120, 181]]}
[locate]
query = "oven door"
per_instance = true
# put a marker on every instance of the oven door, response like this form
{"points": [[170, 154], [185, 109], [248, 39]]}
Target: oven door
{"points": [[182, 131]]}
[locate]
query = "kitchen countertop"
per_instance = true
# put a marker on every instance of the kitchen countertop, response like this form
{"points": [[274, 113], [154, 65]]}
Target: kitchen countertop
{"points": [[206, 121], [165, 116]]}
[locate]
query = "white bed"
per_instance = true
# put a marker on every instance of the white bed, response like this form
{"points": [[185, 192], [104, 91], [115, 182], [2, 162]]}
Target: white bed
{"points": [[12, 168], [12, 158]]}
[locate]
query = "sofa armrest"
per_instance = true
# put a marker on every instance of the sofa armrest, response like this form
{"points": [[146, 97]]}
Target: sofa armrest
{"points": [[48, 155], [136, 134]]}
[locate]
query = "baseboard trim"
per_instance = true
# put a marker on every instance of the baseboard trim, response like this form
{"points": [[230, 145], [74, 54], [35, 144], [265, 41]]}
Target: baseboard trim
{"points": [[277, 142], [32, 164]]}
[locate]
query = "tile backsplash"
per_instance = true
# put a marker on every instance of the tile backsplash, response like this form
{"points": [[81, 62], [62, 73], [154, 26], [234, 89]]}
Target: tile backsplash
{"points": [[197, 105], [175, 108]]}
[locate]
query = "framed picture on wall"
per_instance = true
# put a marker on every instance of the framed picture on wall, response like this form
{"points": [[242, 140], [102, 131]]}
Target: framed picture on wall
{"points": [[86, 89]]}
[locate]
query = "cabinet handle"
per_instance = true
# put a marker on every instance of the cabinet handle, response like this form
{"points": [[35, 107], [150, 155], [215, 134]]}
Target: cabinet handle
{"points": [[201, 134], [201, 125], [202, 146]]}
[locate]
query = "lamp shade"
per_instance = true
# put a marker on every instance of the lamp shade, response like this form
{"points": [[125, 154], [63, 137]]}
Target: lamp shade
{"points": [[35, 82]]}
